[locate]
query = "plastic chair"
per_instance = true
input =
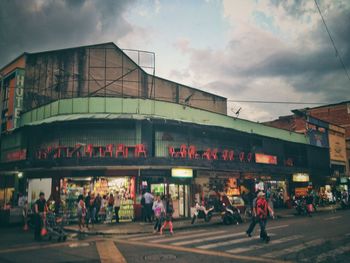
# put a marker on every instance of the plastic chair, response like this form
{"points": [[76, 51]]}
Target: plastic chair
{"points": [[120, 149], [108, 150], [192, 152], [249, 157], [183, 151], [225, 155], [207, 154], [75, 150], [140, 149], [241, 156], [172, 152], [231, 155], [89, 149], [214, 154]]}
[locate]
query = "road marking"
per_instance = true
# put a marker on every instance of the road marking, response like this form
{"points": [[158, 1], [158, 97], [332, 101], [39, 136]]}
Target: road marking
{"points": [[294, 249], [276, 227], [231, 242], [41, 246], [332, 218], [331, 253], [157, 236], [181, 243], [273, 242], [189, 236], [109, 253], [200, 251], [81, 244]]}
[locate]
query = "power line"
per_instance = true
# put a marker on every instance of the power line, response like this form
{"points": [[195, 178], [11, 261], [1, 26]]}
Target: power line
{"points": [[332, 41]]}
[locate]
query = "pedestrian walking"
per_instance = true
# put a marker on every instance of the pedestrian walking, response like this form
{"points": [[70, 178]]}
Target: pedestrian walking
{"points": [[254, 217], [90, 209], [158, 209], [40, 209], [169, 210], [110, 205], [143, 207], [81, 212], [117, 206], [148, 205], [97, 204], [262, 209]]}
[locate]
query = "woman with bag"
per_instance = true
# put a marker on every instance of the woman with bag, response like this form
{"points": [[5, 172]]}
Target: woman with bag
{"points": [[81, 212], [168, 216], [158, 209], [110, 208]]}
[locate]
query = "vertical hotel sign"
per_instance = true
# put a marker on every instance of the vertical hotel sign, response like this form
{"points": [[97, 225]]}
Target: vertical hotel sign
{"points": [[15, 100], [19, 91]]}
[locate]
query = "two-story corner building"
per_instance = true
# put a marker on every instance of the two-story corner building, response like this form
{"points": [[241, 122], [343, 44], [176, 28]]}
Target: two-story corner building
{"points": [[91, 119]]}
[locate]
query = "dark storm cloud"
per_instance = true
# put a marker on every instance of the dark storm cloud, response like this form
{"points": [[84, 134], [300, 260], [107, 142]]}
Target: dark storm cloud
{"points": [[315, 69], [37, 25]]}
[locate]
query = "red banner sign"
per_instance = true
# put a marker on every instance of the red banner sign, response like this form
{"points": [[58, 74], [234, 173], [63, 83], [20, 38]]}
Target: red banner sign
{"points": [[16, 156], [267, 159]]}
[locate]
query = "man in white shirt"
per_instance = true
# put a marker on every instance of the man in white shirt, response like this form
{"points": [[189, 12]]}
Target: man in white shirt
{"points": [[148, 205]]}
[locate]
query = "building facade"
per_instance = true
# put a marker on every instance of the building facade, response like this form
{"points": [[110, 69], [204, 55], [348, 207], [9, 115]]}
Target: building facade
{"points": [[321, 134], [91, 119]]}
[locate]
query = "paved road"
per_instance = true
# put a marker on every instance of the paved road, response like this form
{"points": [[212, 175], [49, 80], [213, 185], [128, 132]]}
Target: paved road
{"points": [[323, 238]]}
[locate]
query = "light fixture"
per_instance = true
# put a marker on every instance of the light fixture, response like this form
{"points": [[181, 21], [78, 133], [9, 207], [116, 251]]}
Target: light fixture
{"points": [[20, 174]]}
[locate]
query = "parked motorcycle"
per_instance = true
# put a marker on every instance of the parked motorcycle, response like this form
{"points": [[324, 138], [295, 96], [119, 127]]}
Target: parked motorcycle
{"points": [[302, 208], [202, 212], [231, 215]]}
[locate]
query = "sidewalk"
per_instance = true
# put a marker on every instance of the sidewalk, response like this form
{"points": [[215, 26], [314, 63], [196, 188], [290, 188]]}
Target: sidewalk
{"points": [[129, 228]]}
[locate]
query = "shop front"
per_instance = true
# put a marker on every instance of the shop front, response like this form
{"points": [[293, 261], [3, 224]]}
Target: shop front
{"points": [[301, 184], [175, 183], [123, 186], [70, 187]]}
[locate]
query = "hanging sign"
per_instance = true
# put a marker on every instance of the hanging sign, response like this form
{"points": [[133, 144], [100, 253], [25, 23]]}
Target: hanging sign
{"points": [[182, 172]]}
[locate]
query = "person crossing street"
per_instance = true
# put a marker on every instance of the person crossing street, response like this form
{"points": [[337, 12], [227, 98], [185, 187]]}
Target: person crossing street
{"points": [[262, 208]]}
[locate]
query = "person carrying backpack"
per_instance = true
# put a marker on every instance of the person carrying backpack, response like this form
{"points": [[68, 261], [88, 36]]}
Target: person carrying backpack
{"points": [[262, 208]]}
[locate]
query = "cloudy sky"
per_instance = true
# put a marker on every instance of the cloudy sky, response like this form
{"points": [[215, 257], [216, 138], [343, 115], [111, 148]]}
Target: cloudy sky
{"points": [[266, 50]]}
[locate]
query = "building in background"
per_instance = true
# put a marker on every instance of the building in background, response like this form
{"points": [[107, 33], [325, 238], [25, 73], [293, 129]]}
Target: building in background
{"points": [[324, 135], [338, 114], [92, 118]]}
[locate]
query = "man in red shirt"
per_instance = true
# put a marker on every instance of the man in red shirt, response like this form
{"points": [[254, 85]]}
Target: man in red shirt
{"points": [[262, 208]]}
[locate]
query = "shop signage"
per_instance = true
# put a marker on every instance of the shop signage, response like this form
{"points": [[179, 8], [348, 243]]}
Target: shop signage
{"points": [[337, 147], [182, 172], [267, 159], [343, 180], [16, 155], [301, 191], [300, 177]]}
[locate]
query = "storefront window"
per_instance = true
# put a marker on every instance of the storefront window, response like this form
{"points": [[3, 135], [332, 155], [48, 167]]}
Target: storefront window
{"points": [[71, 188]]}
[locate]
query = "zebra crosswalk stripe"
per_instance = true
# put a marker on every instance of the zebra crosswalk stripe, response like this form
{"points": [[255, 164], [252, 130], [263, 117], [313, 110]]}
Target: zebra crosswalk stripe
{"points": [[230, 242], [332, 253], [293, 249], [157, 236], [181, 243], [253, 247], [191, 236]]}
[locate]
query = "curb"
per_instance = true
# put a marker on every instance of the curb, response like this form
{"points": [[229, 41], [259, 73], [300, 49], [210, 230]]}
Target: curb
{"points": [[105, 233], [185, 224]]}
